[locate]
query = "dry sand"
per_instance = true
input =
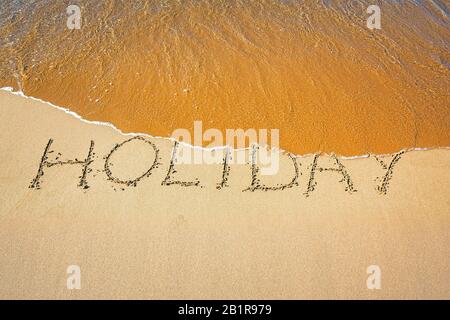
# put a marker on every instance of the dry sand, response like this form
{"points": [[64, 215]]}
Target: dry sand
{"points": [[171, 241]]}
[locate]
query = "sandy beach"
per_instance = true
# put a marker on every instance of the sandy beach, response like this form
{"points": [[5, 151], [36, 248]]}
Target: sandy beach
{"points": [[64, 205]]}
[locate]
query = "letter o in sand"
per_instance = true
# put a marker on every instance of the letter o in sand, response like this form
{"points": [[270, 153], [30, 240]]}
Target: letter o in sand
{"points": [[129, 162]]}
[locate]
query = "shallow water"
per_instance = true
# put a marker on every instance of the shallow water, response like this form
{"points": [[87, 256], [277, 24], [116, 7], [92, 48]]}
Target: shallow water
{"points": [[311, 69]]}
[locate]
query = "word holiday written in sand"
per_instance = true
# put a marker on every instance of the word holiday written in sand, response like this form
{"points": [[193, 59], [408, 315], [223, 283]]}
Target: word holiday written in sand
{"points": [[255, 185]]}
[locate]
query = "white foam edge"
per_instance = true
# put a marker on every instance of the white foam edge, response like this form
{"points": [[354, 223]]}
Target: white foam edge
{"points": [[273, 149]]}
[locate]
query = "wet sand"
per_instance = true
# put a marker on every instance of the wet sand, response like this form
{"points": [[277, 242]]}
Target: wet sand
{"points": [[311, 69], [154, 240]]}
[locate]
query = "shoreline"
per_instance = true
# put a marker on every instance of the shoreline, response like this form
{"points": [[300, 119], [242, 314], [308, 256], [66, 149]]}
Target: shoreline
{"points": [[111, 125]]}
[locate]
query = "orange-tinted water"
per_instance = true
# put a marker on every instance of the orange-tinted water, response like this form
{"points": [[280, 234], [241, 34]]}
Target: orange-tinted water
{"points": [[311, 69]]}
